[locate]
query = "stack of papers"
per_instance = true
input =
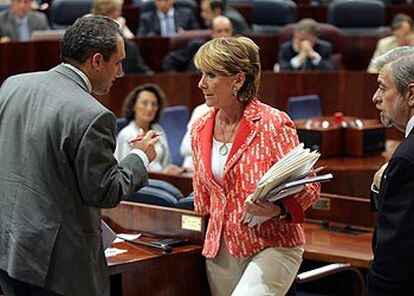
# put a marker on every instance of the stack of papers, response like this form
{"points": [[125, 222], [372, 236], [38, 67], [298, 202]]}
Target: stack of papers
{"points": [[288, 176]]}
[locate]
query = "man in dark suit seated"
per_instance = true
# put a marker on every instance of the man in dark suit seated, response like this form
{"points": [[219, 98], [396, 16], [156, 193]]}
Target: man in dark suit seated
{"points": [[181, 60], [391, 272], [166, 20], [305, 51], [18, 23]]}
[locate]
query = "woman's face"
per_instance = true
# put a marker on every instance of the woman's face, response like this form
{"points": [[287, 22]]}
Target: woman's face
{"points": [[146, 107], [217, 89]]}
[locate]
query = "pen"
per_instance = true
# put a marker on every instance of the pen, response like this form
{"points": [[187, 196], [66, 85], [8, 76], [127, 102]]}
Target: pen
{"points": [[167, 249], [140, 138]]}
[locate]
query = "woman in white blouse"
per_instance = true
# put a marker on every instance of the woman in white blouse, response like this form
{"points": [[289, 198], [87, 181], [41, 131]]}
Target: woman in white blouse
{"points": [[143, 108]]}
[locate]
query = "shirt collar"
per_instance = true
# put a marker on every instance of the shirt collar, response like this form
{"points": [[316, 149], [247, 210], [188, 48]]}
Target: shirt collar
{"points": [[170, 13], [409, 127], [81, 74], [21, 21]]}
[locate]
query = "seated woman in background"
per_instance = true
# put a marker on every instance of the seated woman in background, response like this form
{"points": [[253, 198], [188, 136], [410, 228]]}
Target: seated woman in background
{"points": [[143, 108]]}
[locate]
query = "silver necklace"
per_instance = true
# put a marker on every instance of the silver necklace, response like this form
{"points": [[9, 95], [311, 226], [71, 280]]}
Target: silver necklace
{"points": [[223, 149]]}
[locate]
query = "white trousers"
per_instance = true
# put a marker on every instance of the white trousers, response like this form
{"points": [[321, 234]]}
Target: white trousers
{"points": [[270, 272]]}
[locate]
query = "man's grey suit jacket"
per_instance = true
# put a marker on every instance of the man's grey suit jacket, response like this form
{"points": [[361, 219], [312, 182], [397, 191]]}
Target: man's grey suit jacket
{"points": [[36, 21], [57, 170]]}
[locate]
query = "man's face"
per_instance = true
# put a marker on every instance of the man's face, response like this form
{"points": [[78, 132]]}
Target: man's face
{"points": [[389, 101], [300, 36], [403, 30], [21, 8], [105, 75], [164, 5], [221, 29]]}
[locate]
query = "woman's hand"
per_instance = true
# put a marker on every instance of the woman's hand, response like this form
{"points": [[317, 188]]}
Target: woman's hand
{"points": [[263, 209]]}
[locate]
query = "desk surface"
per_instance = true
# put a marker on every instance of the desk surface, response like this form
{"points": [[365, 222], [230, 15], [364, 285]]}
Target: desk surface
{"points": [[329, 246]]}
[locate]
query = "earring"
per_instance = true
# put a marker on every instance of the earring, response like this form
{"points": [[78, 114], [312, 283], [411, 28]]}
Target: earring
{"points": [[235, 91]]}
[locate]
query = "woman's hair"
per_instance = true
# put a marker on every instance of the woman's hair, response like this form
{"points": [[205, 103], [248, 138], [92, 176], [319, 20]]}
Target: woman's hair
{"points": [[227, 56], [129, 103], [105, 7]]}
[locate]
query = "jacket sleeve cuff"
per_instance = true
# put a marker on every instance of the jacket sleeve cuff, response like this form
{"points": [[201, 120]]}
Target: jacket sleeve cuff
{"points": [[297, 215]]}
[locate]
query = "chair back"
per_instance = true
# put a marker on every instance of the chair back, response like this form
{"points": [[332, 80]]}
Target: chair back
{"points": [[269, 16], [4, 6], [186, 203], [174, 121], [157, 192], [304, 107], [357, 17], [120, 124], [63, 13]]}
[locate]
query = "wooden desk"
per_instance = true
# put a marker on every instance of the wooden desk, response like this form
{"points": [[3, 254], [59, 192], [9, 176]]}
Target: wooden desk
{"points": [[329, 246], [147, 271]]}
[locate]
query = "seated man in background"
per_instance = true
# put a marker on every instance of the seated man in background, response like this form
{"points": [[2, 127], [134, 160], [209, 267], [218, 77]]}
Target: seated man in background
{"points": [[212, 8], [18, 23], [133, 62], [305, 51], [181, 60], [166, 20], [402, 34]]}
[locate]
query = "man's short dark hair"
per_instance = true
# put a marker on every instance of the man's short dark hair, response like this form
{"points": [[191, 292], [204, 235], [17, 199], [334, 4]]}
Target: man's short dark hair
{"points": [[87, 36], [217, 4]]}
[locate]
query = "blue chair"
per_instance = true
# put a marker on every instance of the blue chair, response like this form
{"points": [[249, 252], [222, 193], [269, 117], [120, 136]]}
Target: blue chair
{"points": [[157, 192], [174, 121], [120, 124], [269, 16], [63, 13], [304, 107], [186, 203], [4, 6]]}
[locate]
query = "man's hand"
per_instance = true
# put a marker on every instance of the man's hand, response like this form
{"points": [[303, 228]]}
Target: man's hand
{"points": [[146, 143], [378, 175], [262, 209]]}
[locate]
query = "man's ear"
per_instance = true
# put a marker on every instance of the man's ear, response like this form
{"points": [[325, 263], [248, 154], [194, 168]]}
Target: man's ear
{"points": [[410, 95], [97, 61]]}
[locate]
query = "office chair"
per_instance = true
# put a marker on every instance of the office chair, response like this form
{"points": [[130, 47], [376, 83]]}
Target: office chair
{"points": [[157, 192], [174, 121], [120, 124], [304, 107], [186, 203], [357, 17], [150, 5], [63, 13], [269, 16]]}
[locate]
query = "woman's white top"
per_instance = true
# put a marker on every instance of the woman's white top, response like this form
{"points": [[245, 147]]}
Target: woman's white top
{"points": [[218, 161]]}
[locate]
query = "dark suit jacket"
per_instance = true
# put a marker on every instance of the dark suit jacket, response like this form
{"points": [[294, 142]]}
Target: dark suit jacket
{"points": [[133, 62], [392, 272], [286, 53], [57, 169], [182, 60], [36, 21], [149, 24]]}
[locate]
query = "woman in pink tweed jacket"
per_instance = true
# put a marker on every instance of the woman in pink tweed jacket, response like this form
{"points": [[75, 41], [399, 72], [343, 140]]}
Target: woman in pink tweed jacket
{"points": [[234, 145]]}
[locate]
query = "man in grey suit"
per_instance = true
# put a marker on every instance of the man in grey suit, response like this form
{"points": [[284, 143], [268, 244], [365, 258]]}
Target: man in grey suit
{"points": [[57, 167], [18, 23]]}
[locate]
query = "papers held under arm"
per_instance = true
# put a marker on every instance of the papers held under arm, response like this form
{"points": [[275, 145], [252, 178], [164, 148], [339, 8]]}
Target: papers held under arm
{"points": [[289, 175]]}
